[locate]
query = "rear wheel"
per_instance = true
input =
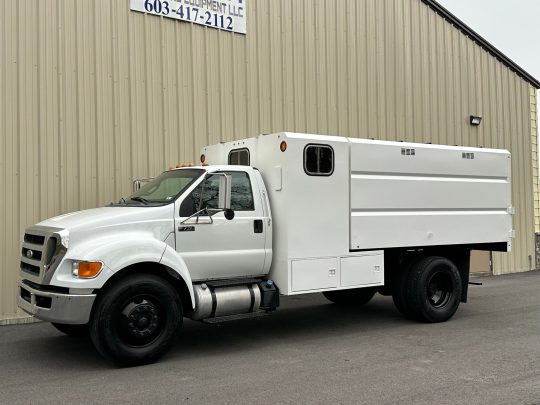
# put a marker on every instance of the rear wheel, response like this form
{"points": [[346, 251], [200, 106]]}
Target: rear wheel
{"points": [[351, 298], [72, 330], [399, 290], [432, 289], [136, 320]]}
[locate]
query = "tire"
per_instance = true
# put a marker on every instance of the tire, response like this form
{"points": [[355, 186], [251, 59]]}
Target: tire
{"points": [[136, 320], [72, 330], [399, 293], [433, 289], [356, 297]]}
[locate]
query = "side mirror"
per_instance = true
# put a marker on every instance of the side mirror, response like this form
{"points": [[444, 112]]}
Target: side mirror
{"points": [[224, 196], [136, 185]]}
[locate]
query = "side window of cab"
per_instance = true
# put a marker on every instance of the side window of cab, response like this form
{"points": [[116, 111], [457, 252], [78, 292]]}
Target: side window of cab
{"points": [[206, 195]]}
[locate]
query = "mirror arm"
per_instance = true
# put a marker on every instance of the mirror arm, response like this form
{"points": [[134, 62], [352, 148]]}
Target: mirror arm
{"points": [[197, 214], [205, 210]]}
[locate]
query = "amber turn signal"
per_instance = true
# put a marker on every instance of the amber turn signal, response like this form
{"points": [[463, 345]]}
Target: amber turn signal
{"points": [[89, 269], [283, 146]]}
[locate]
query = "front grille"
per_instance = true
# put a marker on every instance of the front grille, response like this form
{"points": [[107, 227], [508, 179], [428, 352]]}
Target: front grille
{"points": [[40, 254], [34, 239], [36, 254], [30, 268], [52, 243], [32, 253]]}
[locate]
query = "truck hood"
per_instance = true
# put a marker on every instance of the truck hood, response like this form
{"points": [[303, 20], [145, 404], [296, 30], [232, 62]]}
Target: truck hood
{"points": [[156, 220]]}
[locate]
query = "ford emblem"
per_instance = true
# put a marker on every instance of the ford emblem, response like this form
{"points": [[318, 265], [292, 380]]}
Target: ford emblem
{"points": [[29, 253]]}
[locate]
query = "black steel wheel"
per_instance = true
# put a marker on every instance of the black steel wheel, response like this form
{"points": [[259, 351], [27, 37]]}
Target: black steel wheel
{"points": [[72, 330], [433, 289], [439, 289], [136, 320], [355, 297], [140, 320]]}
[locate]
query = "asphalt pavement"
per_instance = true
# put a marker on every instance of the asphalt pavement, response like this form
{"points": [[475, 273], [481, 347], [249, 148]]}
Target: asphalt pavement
{"points": [[309, 352]]}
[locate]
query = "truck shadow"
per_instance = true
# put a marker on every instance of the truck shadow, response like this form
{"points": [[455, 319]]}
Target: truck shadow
{"points": [[298, 319]]}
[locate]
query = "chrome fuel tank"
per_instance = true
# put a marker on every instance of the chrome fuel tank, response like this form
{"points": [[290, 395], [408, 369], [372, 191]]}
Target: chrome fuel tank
{"points": [[222, 301]]}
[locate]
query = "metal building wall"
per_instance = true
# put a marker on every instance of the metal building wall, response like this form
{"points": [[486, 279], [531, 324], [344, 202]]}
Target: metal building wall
{"points": [[534, 148], [93, 96]]}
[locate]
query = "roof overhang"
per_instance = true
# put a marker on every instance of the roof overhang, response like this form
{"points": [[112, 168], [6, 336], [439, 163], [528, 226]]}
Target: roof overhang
{"points": [[460, 25]]}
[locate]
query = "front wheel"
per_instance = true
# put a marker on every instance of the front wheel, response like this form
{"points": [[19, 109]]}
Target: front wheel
{"points": [[136, 320], [355, 297]]}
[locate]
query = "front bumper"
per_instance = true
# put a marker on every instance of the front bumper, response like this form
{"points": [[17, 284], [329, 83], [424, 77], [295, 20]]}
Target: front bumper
{"points": [[54, 306]]}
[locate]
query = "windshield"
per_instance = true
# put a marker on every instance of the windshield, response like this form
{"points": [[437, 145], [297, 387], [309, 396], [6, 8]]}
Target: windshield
{"points": [[166, 187]]}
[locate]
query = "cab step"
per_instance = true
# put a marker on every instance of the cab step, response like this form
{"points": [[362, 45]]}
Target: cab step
{"points": [[232, 282], [227, 318]]}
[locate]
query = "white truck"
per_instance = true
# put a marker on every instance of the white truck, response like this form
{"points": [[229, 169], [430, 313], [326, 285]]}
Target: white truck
{"points": [[280, 214]]}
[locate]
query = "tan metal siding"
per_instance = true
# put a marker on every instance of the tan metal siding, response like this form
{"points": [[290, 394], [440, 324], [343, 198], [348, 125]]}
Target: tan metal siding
{"points": [[93, 96], [534, 150]]}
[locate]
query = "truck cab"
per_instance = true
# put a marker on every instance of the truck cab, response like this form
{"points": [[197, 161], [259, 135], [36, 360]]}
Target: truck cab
{"points": [[172, 228]]}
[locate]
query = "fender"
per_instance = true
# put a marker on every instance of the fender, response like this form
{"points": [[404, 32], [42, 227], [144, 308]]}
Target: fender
{"points": [[116, 252], [175, 262]]}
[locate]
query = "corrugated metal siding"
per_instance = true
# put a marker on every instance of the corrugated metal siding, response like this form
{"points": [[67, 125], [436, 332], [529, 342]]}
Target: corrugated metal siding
{"points": [[93, 96], [534, 149]]}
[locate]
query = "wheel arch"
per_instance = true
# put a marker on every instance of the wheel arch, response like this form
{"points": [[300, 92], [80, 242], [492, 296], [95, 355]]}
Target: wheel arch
{"points": [[396, 260], [160, 270]]}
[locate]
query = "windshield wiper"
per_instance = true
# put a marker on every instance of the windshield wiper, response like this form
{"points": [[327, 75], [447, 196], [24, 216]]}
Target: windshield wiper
{"points": [[122, 201], [140, 199]]}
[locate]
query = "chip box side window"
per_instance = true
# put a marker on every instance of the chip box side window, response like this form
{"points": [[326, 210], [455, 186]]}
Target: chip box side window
{"points": [[239, 157], [318, 160]]}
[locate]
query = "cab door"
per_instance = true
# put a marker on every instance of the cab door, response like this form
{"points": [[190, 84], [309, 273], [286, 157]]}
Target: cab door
{"points": [[214, 247]]}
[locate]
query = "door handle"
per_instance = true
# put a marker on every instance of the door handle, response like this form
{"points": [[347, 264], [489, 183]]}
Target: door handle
{"points": [[258, 226]]}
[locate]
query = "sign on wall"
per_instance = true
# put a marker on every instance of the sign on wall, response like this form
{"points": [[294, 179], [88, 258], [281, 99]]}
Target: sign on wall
{"points": [[228, 15]]}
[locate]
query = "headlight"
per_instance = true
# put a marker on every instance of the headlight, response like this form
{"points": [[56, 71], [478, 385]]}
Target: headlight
{"points": [[86, 269]]}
